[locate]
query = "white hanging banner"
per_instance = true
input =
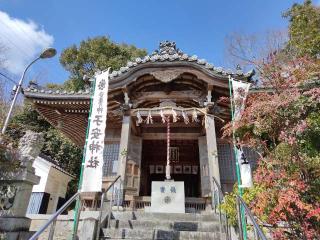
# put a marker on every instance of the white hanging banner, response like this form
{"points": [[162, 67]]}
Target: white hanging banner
{"points": [[245, 169], [240, 92], [92, 171], [246, 175]]}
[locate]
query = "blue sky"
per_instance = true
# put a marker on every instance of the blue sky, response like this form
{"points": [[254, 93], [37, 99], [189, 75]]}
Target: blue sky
{"points": [[197, 26]]}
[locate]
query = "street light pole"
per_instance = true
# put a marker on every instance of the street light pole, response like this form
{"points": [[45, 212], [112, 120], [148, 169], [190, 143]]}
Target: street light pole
{"points": [[48, 53]]}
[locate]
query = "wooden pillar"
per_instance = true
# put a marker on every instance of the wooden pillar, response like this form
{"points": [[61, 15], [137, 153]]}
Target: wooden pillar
{"points": [[134, 165], [124, 145], [204, 167], [212, 150]]}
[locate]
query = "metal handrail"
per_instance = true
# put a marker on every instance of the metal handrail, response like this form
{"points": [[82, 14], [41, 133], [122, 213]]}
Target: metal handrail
{"points": [[220, 200], [257, 230], [53, 218], [111, 200], [218, 185]]}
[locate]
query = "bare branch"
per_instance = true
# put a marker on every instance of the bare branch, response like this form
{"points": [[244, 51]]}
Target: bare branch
{"points": [[251, 50]]}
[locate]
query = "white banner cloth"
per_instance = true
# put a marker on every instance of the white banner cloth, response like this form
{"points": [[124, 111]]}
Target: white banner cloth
{"points": [[246, 175], [92, 171], [245, 169], [240, 92]]}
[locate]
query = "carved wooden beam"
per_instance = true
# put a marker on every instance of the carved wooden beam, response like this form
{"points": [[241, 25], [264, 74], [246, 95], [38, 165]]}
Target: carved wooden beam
{"points": [[159, 124], [192, 94], [184, 136]]}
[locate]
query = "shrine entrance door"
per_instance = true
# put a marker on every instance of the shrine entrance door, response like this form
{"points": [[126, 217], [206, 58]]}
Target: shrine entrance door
{"points": [[184, 155]]}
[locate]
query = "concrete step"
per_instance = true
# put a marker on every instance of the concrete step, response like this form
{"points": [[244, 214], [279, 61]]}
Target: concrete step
{"points": [[197, 217], [205, 226], [158, 234]]}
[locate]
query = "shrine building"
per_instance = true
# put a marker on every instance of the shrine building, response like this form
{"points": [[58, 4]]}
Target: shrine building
{"points": [[167, 83]]}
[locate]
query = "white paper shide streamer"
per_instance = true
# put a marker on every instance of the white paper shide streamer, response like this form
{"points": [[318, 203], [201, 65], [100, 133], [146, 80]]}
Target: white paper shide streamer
{"points": [[174, 116], [140, 120], [149, 118], [195, 116], [92, 174], [163, 118], [185, 117]]}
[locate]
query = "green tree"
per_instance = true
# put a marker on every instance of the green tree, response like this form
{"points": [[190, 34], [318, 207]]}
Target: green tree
{"points": [[60, 149], [283, 126], [304, 28], [94, 54], [65, 154], [91, 55]]}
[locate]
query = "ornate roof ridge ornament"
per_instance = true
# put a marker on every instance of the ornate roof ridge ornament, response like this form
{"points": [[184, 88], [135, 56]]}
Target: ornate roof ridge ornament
{"points": [[169, 48]]}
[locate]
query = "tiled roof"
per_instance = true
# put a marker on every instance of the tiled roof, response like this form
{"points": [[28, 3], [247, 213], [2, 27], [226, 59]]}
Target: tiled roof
{"points": [[30, 91], [168, 52]]}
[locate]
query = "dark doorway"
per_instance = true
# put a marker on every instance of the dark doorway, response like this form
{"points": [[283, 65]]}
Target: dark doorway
{"points": [[44, 203], [61, 201], [185, 165]]}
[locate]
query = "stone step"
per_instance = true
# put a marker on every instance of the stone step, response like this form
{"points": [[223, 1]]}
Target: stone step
{"points": [[23, 235], [159, 234], [166, 225], [197, 217]]}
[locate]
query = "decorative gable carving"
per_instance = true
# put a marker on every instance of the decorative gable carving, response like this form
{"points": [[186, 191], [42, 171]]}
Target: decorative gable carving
{"points": [[166, 76]]}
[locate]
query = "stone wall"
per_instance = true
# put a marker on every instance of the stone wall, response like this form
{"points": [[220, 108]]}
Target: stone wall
{"points": [[16, 187], [64, 225]]}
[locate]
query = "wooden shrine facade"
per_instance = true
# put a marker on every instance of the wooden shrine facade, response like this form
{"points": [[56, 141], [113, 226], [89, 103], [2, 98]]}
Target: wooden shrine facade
{"points": [[167, 83]]}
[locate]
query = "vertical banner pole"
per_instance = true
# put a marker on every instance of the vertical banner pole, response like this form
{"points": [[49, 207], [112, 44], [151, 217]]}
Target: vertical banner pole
{"points": [[92, 161], [244, 225], [78, 203]]}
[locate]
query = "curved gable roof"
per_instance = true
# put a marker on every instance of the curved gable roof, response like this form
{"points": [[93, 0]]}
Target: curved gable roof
{"points": [[168, 55]]}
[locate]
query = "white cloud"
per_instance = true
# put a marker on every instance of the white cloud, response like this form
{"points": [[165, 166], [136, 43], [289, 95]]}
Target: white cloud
{"points": [[22, 40]]}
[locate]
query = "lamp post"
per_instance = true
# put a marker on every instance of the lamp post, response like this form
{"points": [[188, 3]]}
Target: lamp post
{"points": [[47, 53]]}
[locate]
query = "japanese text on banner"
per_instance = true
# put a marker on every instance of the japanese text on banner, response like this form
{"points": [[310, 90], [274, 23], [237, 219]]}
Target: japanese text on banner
{"points": [[92, 174]]}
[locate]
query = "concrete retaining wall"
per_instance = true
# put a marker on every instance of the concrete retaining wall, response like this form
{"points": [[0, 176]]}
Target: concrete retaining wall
{"points": [[64, 225]]}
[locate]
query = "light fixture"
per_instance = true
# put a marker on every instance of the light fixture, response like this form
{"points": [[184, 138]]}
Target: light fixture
{"points": [[48, 53]]}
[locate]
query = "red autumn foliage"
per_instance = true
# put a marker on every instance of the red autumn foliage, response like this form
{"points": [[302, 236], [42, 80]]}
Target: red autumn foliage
{"points": [[283, 124]]}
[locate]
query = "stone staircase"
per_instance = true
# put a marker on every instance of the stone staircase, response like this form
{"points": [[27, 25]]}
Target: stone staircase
{"points": [[166, 226]]}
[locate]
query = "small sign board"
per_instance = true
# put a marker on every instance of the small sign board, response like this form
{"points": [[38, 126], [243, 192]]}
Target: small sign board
{"points": [[167, 197]]}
